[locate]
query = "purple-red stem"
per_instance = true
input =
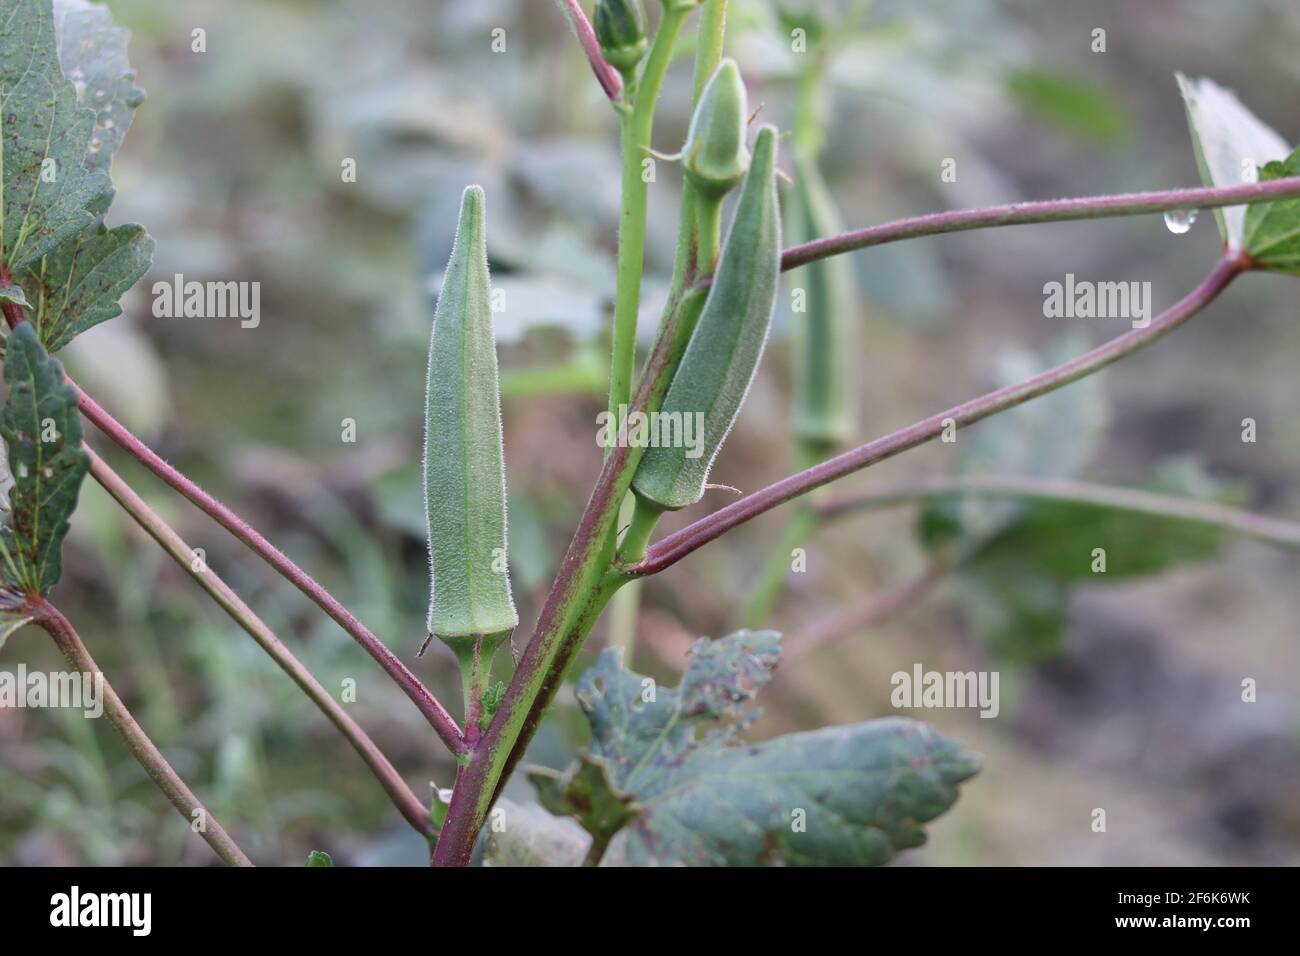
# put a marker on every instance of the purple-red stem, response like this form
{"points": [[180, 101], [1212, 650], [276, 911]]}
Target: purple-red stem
{"points": [[606, 75], [674, 547], [1049, 210], [48, 618], [437, 716]]}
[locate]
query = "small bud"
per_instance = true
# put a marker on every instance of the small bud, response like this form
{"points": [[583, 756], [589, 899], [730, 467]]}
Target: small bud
{"points": [[620, 28], [715, 156]]}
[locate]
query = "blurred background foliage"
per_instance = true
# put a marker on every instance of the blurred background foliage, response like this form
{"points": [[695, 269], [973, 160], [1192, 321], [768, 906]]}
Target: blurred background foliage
{"points": [[1123, 695]]}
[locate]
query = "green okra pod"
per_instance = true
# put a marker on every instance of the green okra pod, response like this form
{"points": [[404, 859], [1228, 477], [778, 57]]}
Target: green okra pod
{"points": [[824, 325], [725, 348], [470, 606]]}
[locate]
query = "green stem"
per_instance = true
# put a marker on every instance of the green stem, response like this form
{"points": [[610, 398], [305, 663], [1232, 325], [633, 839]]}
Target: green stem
{"points": [[708, 233], [644, 518], [47, 616], [772, 578], [585, 582], [708, 54], [637, 128]]}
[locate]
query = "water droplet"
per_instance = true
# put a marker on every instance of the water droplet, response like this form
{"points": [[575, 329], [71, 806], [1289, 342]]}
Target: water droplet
{"points": [[1178, 221]]}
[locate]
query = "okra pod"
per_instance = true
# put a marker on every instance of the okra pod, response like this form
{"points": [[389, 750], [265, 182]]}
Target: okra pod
{"points": [[725, 348], [470, 606]]}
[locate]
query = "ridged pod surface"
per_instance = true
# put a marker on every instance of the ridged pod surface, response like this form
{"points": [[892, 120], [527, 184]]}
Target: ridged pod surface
{"points": [[464, 476], [724, 350], [825, 335]]}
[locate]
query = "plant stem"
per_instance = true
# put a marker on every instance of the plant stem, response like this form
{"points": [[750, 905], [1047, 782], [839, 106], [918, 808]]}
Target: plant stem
{"points": [[582, 587], [644, 517], [676, 546], [708, 54], [637, 129], [708, 233], [1051, 210], [437, 716], [1275, 531], [606, 75], [871, 611], [406, 802], [771, 579], [47, 616]]}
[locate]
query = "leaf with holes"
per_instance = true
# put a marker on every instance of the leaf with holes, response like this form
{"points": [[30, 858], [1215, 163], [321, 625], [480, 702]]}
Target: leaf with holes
{"points": [[697, 795], [50, 195], [78, 284], [42, 428]]}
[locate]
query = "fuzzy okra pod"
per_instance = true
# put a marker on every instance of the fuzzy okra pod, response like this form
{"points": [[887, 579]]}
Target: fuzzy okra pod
{"points": [[470, 606], [825, 334], [724, 350]]}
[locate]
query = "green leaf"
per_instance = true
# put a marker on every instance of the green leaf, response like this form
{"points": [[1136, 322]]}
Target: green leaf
{"points": [[532, 837], [42, 427], [1231, 143], [586, 792], [93, 55], [1013, 588], [1272, 230], [842, 795], [77, 282], [319, 858], [1073, 104], [44, 203], [79, 285]]}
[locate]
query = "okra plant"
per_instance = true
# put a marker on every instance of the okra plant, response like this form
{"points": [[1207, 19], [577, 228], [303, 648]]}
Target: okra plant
{"points": [[670, 775]]}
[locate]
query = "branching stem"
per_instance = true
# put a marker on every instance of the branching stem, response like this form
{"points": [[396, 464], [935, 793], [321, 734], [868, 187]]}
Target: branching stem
{"points": [[406, 802]]}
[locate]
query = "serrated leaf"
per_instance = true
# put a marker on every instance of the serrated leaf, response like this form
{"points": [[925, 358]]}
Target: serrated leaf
{"points": [[585, 792], [842, 795], [1272, 230], [1231, 143], [93, 56], [42, 427], [44, 136], [319, 858], [78, 282], [79, 285]]}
